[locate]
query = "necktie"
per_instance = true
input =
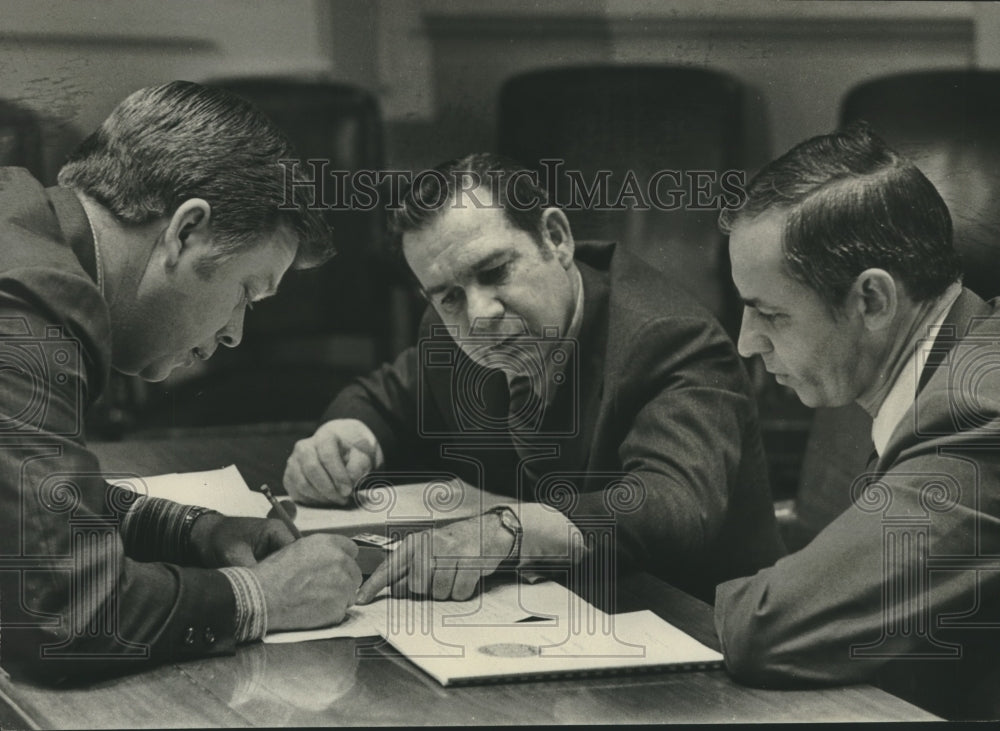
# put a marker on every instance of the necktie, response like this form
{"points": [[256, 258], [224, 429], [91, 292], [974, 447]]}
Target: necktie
{"points": [[872, 461], [524, 414], [870, 475]]}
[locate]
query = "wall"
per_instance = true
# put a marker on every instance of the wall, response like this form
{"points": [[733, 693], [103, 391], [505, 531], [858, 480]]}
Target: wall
{"points": [[437, 65], [73, 61], [441, 62]]}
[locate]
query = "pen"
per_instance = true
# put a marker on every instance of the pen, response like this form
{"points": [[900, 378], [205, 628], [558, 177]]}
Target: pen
{"points": [[280, 511]]}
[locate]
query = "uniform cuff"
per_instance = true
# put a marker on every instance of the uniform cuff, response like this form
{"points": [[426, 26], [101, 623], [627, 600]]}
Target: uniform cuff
{"points": [[251, 607], [155, 529]]}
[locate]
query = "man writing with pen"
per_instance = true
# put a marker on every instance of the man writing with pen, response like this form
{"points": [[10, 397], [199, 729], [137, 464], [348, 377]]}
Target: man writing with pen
{"points": [[166, 224], [568, 376]]}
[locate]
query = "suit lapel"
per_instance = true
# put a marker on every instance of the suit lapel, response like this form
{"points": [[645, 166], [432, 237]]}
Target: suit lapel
{"points": [[967, 307], [580, 400], [963, 313]]}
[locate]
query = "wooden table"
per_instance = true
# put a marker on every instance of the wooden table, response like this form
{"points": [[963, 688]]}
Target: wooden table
{"points": [[326, 683]]}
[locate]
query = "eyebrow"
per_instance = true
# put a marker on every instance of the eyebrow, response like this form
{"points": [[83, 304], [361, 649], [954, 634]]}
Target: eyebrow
{"points": [[487, 262]]}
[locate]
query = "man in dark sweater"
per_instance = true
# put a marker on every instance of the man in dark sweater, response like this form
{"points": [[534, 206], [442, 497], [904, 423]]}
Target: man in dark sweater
{"points": [[572, 378]]}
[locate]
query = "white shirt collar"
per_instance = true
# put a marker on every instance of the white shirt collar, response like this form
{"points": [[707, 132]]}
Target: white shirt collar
{"points": [[572, 333], [577, 320], [904, 391], [553, 367]]}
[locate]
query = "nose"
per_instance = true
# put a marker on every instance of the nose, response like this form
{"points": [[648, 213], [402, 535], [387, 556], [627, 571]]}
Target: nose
{"points": [[751, 341], [232, 334], [482, 304]]}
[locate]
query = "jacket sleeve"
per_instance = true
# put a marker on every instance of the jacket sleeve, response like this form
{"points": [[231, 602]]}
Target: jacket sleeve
{"points": [[894, 581], [690, 426], [71, 602], [386, 401]]}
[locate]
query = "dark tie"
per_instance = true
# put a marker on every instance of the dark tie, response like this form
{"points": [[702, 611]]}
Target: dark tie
{"points": [[870, 474], [523, 421]]}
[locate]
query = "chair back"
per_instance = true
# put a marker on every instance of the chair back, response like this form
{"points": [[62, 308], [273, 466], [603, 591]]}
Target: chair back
{"points": [[630, 124]]}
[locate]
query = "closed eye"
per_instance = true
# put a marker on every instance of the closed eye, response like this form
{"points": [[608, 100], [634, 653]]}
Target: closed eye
{"points": [[494, 275], [768, 317], [451, 299]]}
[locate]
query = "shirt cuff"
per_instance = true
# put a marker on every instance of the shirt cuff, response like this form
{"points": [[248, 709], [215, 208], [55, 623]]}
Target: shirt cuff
{"points": [[548, 537], [251, 607]]}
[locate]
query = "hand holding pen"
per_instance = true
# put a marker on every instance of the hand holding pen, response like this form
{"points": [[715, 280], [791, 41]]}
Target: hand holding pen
{"points": [[278, 511], [311, 581]]}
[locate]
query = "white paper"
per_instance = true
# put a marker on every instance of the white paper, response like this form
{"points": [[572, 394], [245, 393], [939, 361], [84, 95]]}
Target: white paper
{"points": [[502, 605], [224, 490], [378, 506], [357, 623]]}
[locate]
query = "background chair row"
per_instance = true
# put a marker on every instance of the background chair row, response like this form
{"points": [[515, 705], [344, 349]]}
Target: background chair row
{"points": [[330, 324]]}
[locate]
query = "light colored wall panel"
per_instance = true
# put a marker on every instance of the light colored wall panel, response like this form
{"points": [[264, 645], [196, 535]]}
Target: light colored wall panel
{"points": [[73, 61], [442, 62]]}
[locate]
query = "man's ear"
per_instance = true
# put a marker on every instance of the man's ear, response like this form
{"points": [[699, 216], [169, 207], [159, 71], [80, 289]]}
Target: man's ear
{"points": [[188, 230], [875, 297], [556, 231]]}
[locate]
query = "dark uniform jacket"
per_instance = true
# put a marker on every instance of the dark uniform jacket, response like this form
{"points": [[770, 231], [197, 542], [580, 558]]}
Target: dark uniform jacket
{"points": [[72, 601]]}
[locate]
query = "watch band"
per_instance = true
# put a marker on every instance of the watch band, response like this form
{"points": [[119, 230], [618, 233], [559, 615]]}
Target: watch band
{"points": [[511, 523], [189, 552]]}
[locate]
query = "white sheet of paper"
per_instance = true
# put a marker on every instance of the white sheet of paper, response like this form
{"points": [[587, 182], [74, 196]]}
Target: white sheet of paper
{"points": [[224, 490], [502, 606], [357, 623], [380, 505]]}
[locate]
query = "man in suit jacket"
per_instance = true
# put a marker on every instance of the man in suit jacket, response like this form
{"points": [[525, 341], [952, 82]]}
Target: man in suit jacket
{"points": [[574, 379], [844, 259], [166, 225]]}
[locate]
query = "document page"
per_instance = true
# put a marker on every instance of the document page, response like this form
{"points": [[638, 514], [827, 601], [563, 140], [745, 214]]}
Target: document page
{"points": [[224, 490], [374, 507], [500, 606]]}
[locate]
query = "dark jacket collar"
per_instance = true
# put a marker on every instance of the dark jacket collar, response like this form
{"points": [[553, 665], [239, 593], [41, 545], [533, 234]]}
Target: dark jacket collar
{"points": [[956, 323], [594, 325]]}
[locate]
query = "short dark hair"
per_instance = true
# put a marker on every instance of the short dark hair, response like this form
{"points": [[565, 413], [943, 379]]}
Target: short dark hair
{"points": [[166, 144], [515, 189], [851, 203]]}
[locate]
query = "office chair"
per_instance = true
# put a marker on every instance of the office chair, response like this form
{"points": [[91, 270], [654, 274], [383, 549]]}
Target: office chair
{"points": [[325, 325], [637, 120], [21, 139], [946, 122]]}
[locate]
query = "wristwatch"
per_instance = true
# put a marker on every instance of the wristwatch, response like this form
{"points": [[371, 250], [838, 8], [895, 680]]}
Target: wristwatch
{"points": [[511, 523]]}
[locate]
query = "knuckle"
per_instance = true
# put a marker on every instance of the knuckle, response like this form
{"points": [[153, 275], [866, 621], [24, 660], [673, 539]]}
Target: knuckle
{"points": [[326, 449]]}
